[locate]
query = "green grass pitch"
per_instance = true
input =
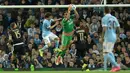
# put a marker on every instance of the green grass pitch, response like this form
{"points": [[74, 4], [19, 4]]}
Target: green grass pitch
{"points": [[123, 71]]}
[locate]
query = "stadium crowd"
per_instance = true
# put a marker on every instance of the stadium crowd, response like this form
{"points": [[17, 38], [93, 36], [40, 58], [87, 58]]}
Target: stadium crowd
{"points": [[90, 53]]}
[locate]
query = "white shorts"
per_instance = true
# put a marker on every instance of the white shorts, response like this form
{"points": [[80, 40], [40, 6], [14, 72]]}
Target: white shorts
{"points": [[108, 46], [51, 36]]}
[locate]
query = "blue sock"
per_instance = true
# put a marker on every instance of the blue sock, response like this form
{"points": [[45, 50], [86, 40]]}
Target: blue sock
{"points": [[45, 47], [112, 59], [105, 61], [112, 55], [56, 43]]}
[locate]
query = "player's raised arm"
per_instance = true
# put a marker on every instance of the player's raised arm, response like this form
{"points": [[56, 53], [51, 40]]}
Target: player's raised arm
{"points": [[76, 13], [68, 13], [51, 27], [57, 22], [57, 19]]}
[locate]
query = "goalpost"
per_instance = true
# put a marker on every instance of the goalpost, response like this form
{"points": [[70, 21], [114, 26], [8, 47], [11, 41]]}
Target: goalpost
{"points": [[65, 6]]}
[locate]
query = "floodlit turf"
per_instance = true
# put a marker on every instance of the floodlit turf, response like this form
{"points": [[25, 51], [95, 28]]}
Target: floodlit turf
{"points": [[128, 71]]}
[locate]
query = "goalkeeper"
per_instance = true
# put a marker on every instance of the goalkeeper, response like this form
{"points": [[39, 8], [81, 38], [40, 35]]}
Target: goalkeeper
{"points": [[68, 30]]}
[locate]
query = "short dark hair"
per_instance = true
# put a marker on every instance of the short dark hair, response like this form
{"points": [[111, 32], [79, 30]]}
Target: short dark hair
{"points": [[48, 14], [106, 10]]}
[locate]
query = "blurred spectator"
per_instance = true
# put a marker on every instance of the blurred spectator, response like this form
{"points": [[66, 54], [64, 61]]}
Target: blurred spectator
{"points": [[118, 49], [37, 64], [127, 40], [127, 26], [91, 64], [73, 50], [71, 65], [24, 2], [100, 45], [95, 49], [31, 31], [90, 52], [6, 62], [90, 43], [119, 61], [128, 49], [6, 2], [127, 61], [58, 29], [122, 34], [93, 26], [99, 61], [1, 65], [1, 19], [29, 21], [1, 56]]}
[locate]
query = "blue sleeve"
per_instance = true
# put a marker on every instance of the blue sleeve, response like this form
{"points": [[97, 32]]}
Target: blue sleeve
{"points": [[104, 22], [46, 25]]}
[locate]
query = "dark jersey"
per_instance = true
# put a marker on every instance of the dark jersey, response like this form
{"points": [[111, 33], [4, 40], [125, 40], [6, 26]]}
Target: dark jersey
{"points": [[16, 36], [81, 39], [81, 35]]}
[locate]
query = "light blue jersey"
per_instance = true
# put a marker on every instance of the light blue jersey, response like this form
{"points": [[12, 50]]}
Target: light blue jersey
{"points": [[111, 23], [46, 27]]}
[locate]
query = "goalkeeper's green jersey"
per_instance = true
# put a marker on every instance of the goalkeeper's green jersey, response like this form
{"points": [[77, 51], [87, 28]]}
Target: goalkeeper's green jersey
{"points": [[68, 25]]}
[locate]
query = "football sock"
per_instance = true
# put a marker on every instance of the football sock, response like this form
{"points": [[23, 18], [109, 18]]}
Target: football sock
{"points": [[45, 47], [105, 61], [112, 59]]}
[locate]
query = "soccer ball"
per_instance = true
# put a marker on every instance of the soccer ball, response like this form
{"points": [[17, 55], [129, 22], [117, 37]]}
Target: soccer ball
{"points": [[73, 7]]}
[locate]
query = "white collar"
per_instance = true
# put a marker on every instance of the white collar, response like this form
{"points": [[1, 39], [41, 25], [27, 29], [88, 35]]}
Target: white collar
{"points": [[108, 14]]}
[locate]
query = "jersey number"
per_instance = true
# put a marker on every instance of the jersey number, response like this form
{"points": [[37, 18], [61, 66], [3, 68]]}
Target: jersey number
{"points": [[81, 36], [111, 24], [17, 34]]}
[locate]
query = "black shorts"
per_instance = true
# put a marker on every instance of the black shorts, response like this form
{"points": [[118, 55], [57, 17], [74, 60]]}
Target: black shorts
{"points": [[81, 46], [19, 49], [81, 49]]}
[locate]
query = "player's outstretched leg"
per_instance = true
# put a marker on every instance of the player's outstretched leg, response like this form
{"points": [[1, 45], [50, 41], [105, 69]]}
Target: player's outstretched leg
{"points": [[109, 56], [60, 55], [62, 52], [114, 63], [57, 45]]}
